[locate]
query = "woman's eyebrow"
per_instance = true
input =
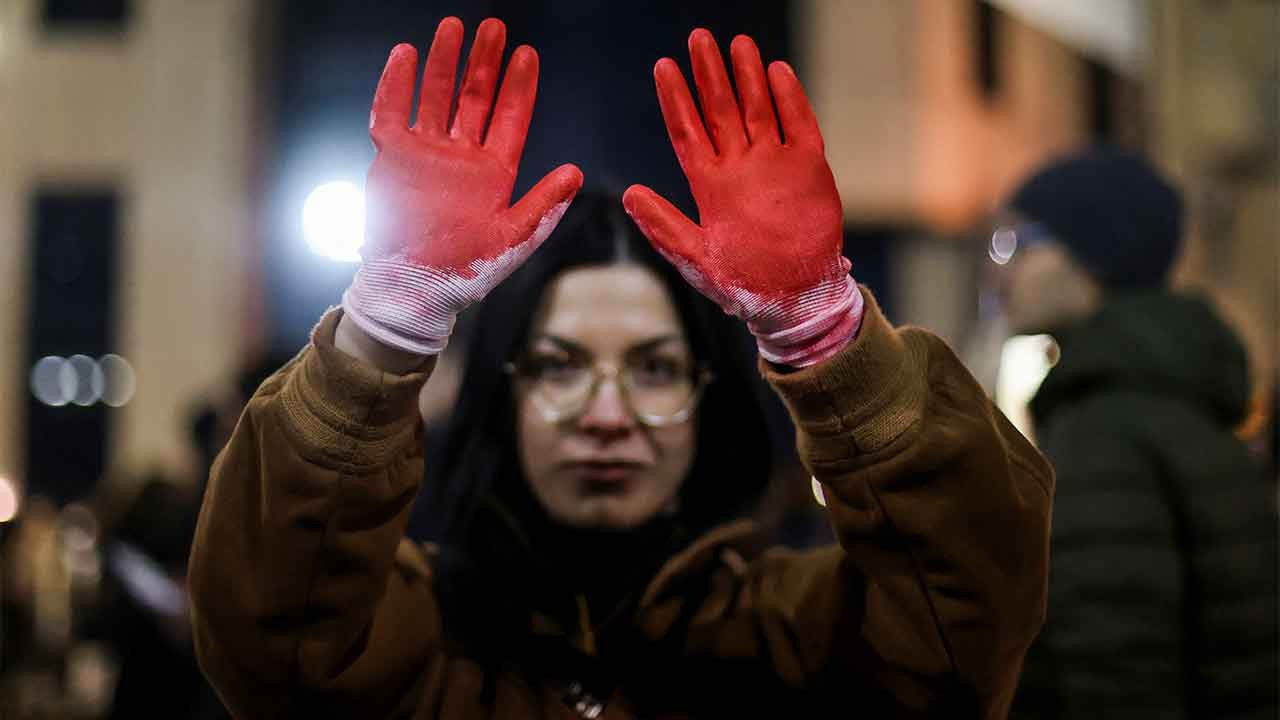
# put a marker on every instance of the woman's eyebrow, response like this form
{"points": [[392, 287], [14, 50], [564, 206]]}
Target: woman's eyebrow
{"points": [[650, 344], [577, 348], [568, 346]]}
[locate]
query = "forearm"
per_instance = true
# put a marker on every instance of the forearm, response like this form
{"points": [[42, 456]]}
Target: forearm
{"points": [[357, 343], [299, 528], [940, 505]]}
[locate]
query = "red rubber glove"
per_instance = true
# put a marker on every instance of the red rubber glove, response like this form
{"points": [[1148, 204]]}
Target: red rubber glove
{"points": [[439, 234], [769, 247]]}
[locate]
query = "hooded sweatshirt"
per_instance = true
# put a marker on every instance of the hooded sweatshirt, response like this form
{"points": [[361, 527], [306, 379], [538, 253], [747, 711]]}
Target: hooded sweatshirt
{"points": [[1163, 572]]}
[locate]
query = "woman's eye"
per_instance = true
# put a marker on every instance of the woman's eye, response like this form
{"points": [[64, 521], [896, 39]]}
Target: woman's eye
{"points": [[657, 371], [553, 368]]}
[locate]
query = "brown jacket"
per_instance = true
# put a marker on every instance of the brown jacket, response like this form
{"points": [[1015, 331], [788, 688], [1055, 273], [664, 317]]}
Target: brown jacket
{"points": [[308, 602]]}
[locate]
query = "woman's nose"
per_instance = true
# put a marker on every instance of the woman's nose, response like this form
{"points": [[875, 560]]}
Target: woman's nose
{"points": [[606, 411]]}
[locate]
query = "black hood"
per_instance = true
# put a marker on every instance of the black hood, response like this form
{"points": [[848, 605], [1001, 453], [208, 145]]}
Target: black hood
{"points": [[1157, 342]]}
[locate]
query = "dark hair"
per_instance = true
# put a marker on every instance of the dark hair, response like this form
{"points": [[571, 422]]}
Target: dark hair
{"points": [[477, 454]]}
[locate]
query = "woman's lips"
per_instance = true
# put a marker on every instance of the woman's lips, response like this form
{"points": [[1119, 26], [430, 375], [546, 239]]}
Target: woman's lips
{"points": [[604, 476]]}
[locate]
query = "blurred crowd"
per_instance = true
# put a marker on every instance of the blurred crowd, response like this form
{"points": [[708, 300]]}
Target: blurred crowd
{"points": [[95, 614]]}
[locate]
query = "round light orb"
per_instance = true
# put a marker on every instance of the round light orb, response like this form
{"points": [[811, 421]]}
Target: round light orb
{"points": [[119, 380], [46, 381], [81, 380], [333, 220], [1004, 243]]}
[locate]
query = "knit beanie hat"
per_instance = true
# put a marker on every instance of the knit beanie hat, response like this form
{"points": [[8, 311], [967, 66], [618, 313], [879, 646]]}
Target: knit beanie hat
{"points": [[1112, 211]]}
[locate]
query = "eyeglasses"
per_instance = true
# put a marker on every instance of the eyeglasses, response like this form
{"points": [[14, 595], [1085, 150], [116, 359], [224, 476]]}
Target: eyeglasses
{"points": [[658, 391]]}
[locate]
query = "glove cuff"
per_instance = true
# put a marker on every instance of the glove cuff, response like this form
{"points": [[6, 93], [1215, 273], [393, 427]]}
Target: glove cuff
{"points": [[832, 318], [404, 306]]}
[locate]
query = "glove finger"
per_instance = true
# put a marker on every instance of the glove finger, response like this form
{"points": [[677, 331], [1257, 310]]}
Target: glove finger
{"points": [[537, 213], [514, 109], [753, 91], [393, 99], [724, 119], [684, 126], [436, 96], [799, 124], [479, 80], [672, 234]]}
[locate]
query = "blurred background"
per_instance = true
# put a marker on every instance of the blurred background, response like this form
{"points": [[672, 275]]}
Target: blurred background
{"points": [[180, 199]]}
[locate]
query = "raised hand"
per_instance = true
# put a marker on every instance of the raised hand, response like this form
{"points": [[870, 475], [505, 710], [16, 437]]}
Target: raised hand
{"points": [[768, 249], [440, 231]]}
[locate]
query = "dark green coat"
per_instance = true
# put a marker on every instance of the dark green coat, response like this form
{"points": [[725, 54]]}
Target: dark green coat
{"points": [[1162, 599]]}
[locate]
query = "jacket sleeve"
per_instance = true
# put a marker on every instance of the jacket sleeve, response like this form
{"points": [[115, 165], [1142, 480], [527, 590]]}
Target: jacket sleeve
{"points": [[299, 605], [941, 509], [1112, 641]]}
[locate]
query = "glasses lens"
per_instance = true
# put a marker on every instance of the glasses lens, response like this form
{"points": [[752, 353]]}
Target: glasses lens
{"points": [[659, 389], [560, 388]]}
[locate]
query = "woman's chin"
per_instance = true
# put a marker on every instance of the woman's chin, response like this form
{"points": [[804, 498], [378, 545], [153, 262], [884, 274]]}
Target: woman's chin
{"points": [[608, 513]]}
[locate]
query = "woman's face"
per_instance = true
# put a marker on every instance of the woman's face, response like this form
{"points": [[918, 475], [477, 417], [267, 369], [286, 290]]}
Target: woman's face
{"points": [[603, 467]]}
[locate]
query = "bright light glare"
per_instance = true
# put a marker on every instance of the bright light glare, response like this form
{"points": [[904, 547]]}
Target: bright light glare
{"points": [[333, 220], [1025, 360], [8, 500], [818, 496]]}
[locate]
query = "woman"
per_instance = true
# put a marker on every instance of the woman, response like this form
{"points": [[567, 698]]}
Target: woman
{"points": [[585, 568]]}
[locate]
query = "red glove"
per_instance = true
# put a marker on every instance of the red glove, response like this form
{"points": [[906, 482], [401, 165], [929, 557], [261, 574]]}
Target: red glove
{"points": [[439, 233], [769, 246]]}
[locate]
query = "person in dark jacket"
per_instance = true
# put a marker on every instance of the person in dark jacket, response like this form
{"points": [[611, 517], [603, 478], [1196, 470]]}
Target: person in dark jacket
{"points": [[1163, 553]]}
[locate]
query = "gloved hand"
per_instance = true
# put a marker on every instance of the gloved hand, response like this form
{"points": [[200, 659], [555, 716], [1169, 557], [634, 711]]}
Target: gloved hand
{"points": [[769, 247], [439, 234]]}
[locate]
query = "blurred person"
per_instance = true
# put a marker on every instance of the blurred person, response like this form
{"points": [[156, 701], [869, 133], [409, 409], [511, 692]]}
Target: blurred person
{"points": [[26, 547], [606, 439], [142, 615], [1162, 595]]}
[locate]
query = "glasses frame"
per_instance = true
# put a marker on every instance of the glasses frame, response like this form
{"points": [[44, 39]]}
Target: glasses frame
{"points": [[600, 373]]}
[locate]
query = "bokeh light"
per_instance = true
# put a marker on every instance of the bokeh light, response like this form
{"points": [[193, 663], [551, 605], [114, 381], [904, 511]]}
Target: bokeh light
{"points": [[79, 379], [1004, 243], [333, 220], [9, 501], [46, 383], [119, 381], [79, 526]]}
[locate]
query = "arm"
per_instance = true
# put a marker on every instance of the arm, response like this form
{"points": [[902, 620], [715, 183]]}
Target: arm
{"points": [[941, 509], [299, 602], [940, 505], [294, 592], [1112, 643]]}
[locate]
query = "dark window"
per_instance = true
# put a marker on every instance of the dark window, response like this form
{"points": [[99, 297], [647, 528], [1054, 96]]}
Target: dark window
{"points": [[73, 255], [86, 14]]}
